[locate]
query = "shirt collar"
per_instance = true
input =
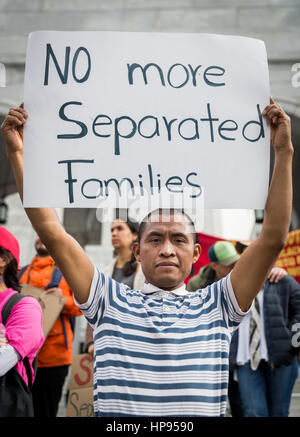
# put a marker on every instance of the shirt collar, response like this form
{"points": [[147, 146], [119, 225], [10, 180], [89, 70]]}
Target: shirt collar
{"points": [[150, 289]]}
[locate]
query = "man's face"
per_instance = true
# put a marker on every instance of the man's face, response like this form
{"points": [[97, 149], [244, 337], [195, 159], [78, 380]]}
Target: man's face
{"points": [[167, 251], [40, 248]]}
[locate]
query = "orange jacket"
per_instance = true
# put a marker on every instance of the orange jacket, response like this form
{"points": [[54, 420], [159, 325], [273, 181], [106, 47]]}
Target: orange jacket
{"points": [[53, 352]]}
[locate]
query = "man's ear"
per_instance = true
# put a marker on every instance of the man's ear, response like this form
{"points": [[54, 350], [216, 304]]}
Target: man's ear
{"points": [[136, 251], [197, 252]]}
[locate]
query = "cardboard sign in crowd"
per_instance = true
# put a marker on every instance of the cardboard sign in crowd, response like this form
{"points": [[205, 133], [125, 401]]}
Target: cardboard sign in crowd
{"points": [[289, 258], [123, 118], [51, 305], [80, 400]]}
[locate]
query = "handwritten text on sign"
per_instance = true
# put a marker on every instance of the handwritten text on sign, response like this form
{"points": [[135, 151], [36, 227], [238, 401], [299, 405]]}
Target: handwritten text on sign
{"points": [[126, 115]]}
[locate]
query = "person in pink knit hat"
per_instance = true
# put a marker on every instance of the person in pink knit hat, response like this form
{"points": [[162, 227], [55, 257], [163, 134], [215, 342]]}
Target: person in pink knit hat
{"points": [[21, 333]]}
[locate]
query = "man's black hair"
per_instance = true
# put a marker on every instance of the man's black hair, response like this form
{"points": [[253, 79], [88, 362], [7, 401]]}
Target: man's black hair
{"points": [[171, 211]]}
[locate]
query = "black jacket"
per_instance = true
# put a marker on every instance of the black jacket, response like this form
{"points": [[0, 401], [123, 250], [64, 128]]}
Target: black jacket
{"points": [[281, 311]]}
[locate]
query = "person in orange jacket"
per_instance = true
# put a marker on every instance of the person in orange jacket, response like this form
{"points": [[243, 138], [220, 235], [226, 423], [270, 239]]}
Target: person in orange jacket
{"points": [[55, 356]]}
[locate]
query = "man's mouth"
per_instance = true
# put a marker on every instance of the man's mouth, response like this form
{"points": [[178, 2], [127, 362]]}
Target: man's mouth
{"points": [[166, 264]]}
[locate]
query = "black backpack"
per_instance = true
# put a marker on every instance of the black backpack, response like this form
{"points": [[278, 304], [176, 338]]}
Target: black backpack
{"points": [[15, 395], [55, 280]]}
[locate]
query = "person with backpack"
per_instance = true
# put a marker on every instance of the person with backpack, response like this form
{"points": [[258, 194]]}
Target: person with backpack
{"points": [[55, 356], [21, 334]]}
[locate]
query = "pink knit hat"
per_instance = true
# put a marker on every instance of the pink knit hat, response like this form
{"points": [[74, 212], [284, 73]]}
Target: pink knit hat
{"points": [[8, 242]]}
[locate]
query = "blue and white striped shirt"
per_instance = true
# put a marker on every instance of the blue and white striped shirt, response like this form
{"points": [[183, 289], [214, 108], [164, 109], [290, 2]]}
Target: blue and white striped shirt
{"points": [[161, 354]]}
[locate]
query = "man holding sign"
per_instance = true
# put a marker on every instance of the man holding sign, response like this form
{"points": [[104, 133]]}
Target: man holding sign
{"points": [[162, 351]]}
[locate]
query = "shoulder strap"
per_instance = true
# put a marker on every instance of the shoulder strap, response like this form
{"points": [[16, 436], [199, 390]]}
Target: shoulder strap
{"points": [[28, 372], [55, 278], [8, 306]]}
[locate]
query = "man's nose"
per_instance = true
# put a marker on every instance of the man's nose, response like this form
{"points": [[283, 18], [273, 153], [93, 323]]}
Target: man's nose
{"points": [[167, 249]]}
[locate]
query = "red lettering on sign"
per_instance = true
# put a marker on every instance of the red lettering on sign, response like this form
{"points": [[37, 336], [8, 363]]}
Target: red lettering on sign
{"points": [[86, 368]]}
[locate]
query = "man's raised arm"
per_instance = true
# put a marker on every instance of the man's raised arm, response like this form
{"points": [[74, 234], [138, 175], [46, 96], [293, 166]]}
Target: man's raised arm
{"points": [[252, 269], [67, 253]]}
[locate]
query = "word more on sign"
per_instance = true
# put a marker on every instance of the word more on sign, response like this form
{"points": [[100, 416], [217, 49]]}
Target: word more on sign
{"points": [[117, 118]]}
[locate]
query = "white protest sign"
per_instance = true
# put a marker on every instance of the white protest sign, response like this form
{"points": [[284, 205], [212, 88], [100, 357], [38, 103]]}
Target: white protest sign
{"points": [[114, 115]]}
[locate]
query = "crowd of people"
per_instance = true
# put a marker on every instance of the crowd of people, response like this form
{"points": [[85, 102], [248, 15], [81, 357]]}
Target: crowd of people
{"points": [[161, 347]]}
